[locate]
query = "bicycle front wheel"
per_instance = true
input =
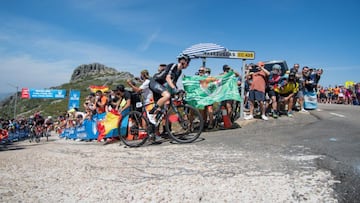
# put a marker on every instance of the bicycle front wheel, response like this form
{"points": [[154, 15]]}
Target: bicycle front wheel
{"points": [[134, 129], [184, 124]]}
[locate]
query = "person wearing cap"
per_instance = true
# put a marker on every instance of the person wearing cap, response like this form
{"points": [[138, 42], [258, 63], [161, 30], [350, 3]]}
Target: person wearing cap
{"points": [[287, 92], [100, 102], [273, 81], [257, 90]]}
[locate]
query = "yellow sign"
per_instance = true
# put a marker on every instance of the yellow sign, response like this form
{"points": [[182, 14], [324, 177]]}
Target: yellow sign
{"points": [[242, 55], [246, 55]]}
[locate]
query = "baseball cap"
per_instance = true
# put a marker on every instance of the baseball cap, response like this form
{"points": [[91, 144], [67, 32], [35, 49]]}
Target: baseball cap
{"points": [[276, 66]]}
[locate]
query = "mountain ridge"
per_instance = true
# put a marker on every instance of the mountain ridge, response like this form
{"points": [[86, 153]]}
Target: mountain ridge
{"points": [[82, 77]]}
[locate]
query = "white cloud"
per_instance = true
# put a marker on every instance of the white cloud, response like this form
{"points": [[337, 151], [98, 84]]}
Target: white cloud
{"points": [[149, 41], [24, 71], [35, 59]]}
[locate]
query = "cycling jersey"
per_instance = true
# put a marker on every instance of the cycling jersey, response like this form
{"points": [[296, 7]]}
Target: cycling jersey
{"points": [[289, 88], [172, 70]]}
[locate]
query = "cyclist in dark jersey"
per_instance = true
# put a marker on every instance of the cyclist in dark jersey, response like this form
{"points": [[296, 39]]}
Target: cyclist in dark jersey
{"points": [[162, 82]]}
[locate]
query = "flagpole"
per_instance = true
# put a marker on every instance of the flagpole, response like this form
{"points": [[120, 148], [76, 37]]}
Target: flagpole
{"points": [[203, 62], [69, 99]]}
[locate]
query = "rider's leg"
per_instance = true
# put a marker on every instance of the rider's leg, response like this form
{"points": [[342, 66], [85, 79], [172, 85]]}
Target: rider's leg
{"points": [[210, 112]]}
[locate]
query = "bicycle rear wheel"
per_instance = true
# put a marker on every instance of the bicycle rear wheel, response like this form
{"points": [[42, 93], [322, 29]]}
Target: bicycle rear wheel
{"points": [[137, 131], [184, 124]]}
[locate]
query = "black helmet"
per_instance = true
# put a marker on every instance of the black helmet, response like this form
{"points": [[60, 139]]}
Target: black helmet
{"points": [[185, 57]]}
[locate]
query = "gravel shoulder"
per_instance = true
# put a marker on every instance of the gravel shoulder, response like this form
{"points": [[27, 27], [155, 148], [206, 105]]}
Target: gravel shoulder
{"points": [[69, 171]]}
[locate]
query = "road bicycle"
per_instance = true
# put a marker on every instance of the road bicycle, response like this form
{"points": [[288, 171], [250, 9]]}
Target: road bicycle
{"points": [[183, 123], [34, 133], [46, 132]]}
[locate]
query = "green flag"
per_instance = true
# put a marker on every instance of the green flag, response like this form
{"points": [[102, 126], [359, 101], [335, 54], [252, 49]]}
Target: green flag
{"points": [[204, 90]]}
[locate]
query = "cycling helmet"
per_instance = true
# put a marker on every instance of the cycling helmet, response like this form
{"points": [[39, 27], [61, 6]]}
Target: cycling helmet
{"points": [[276, 67], [185, 57]]}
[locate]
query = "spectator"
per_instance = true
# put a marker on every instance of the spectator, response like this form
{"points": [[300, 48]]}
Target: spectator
{"points": [[273, 81], [336, 93], [112, 101], [228, 103], [90, 106], [124, 102], [100, 101], [305, 84], [257, 90], [287, 92], [208, 111], [295, 69], [143, 88]]}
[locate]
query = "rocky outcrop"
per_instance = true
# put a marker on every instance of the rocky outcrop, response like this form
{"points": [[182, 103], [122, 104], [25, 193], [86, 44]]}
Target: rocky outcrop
{"points": [[95, 69]]}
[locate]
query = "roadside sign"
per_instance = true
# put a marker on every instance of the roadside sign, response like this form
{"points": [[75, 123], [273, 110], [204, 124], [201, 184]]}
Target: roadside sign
{"points": [[243, 54], [229, 55]]}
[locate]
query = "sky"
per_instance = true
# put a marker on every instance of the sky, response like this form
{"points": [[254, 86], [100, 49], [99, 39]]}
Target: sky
{"points": [[42, 42]]}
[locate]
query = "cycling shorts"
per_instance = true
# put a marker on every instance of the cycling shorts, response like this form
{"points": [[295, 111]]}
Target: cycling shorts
{"points": [[157, 89]]}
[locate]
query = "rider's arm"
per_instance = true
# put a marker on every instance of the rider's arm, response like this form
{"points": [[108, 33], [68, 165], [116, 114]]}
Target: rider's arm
{"points": [[169, 81]]}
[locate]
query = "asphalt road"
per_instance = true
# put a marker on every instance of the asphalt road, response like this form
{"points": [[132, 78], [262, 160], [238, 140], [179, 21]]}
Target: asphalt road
{"points": [[281, 160], [331, 132]]}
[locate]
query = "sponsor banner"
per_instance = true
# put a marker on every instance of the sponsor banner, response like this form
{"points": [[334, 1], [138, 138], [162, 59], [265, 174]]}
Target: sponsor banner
{"points": [[25, 93], [47, 94], [74, 99]]}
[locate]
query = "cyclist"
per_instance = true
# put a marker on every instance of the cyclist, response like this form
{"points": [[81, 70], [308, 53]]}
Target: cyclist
{"points": [[49, 123], [38, 119], [165, 81], [38, 122]]}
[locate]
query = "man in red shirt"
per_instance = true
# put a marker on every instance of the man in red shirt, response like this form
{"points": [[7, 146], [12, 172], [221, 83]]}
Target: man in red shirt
{"points": [[257, 90]]}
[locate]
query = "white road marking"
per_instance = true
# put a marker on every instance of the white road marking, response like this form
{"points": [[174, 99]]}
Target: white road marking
{"points": [[339, 115]]}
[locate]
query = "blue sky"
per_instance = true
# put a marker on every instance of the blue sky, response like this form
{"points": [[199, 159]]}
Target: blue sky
{"points": [[42, 42]]}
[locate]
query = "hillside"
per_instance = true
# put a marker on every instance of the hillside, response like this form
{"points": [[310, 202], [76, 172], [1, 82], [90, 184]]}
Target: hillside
{"points": [[83, 76]]}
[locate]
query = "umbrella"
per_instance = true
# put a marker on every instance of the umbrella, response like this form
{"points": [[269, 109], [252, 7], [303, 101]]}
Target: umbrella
{"points": [[200, 49]]}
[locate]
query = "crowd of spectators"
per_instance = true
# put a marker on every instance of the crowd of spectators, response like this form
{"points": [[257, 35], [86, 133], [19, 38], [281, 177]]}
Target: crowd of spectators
{"points": [[269, 93], [339, 94]]}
